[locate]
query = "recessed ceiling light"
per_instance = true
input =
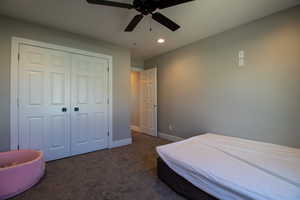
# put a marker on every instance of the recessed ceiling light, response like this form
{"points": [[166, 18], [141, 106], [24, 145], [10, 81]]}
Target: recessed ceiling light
{"points": [[161, 40]]}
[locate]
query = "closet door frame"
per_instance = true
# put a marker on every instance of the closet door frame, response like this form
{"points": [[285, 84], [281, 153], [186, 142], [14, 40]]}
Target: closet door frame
{"points": [[14, 84]]}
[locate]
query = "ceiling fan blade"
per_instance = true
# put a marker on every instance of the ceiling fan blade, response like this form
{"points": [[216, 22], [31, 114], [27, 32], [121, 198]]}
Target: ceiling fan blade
{"points": [[110, 3], [163, 20], [169, 3], [134, 22]]}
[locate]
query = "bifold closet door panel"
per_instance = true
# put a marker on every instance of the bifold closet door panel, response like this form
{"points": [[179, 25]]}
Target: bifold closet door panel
{"points": [[44, 101], [89, 95], [63, 102]]}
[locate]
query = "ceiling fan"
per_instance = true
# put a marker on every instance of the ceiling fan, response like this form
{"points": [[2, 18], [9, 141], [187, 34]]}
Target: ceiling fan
{"points": [[145, 7]]}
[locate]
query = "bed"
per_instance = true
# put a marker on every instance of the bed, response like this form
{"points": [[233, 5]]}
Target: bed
{"points": [[213, 166]]}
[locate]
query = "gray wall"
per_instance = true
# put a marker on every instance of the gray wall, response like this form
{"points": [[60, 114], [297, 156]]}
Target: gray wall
{"points": [[137, 63], [121, 71], [202, 89]]}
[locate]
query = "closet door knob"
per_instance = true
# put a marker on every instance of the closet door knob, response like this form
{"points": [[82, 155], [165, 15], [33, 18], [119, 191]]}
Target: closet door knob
{"points": [[64, 109], [76, 109]]}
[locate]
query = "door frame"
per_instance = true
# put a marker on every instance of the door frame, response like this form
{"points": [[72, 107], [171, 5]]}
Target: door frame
{"points": [[14, 84]]}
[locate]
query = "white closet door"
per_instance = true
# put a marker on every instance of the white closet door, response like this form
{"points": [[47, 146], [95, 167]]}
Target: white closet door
{"points": [[43, 95], [148, 117], [89, 96]]}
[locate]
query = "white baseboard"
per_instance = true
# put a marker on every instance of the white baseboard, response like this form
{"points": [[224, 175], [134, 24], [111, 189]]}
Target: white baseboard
{"points": [[135, 128], [120, 143], [169, 137]]}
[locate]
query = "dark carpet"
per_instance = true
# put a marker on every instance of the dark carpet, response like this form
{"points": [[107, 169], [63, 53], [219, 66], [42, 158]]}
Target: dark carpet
{"points": [[117, 174]]}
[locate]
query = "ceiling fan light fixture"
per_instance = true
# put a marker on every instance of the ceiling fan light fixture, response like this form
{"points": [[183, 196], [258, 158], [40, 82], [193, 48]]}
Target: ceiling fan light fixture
{"points": [[161, 40]]}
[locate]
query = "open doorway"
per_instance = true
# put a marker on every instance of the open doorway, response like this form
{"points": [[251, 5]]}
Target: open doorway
{"points": [[135, 76], [144, 101]]}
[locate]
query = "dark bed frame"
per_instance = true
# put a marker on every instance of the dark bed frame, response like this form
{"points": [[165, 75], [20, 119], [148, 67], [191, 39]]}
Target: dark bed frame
{"points": [[180, 184]]}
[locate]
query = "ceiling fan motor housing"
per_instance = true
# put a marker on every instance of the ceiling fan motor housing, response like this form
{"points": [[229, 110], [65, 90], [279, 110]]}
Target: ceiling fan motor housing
{"points": [[145, 6]]}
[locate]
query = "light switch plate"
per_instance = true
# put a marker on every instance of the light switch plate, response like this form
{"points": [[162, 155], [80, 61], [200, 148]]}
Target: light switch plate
{"points": [[241, 62], [241, 54]]}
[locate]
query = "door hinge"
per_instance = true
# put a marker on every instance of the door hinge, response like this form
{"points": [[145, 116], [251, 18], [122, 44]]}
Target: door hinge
{"points": [[108, 133], [108, 69], [18, 102], [18, 57], [18, 147]]}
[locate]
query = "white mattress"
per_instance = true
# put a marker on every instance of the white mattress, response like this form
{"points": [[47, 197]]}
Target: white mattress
{"points": [[236, 169]]}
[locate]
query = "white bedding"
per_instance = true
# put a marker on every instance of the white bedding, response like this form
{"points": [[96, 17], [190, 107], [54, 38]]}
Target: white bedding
{"points": [[236, 169]]}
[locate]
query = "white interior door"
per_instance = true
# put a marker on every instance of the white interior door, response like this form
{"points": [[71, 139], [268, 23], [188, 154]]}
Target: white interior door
{"points": [[89, 104], [148, 117], [44, 101]]}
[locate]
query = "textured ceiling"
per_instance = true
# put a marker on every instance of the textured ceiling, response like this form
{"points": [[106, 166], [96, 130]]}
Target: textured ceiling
{"points": [[198, 19]]}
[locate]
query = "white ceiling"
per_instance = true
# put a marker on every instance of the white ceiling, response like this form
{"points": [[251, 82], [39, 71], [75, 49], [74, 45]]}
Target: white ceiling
{"points": [[198, 20]]}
